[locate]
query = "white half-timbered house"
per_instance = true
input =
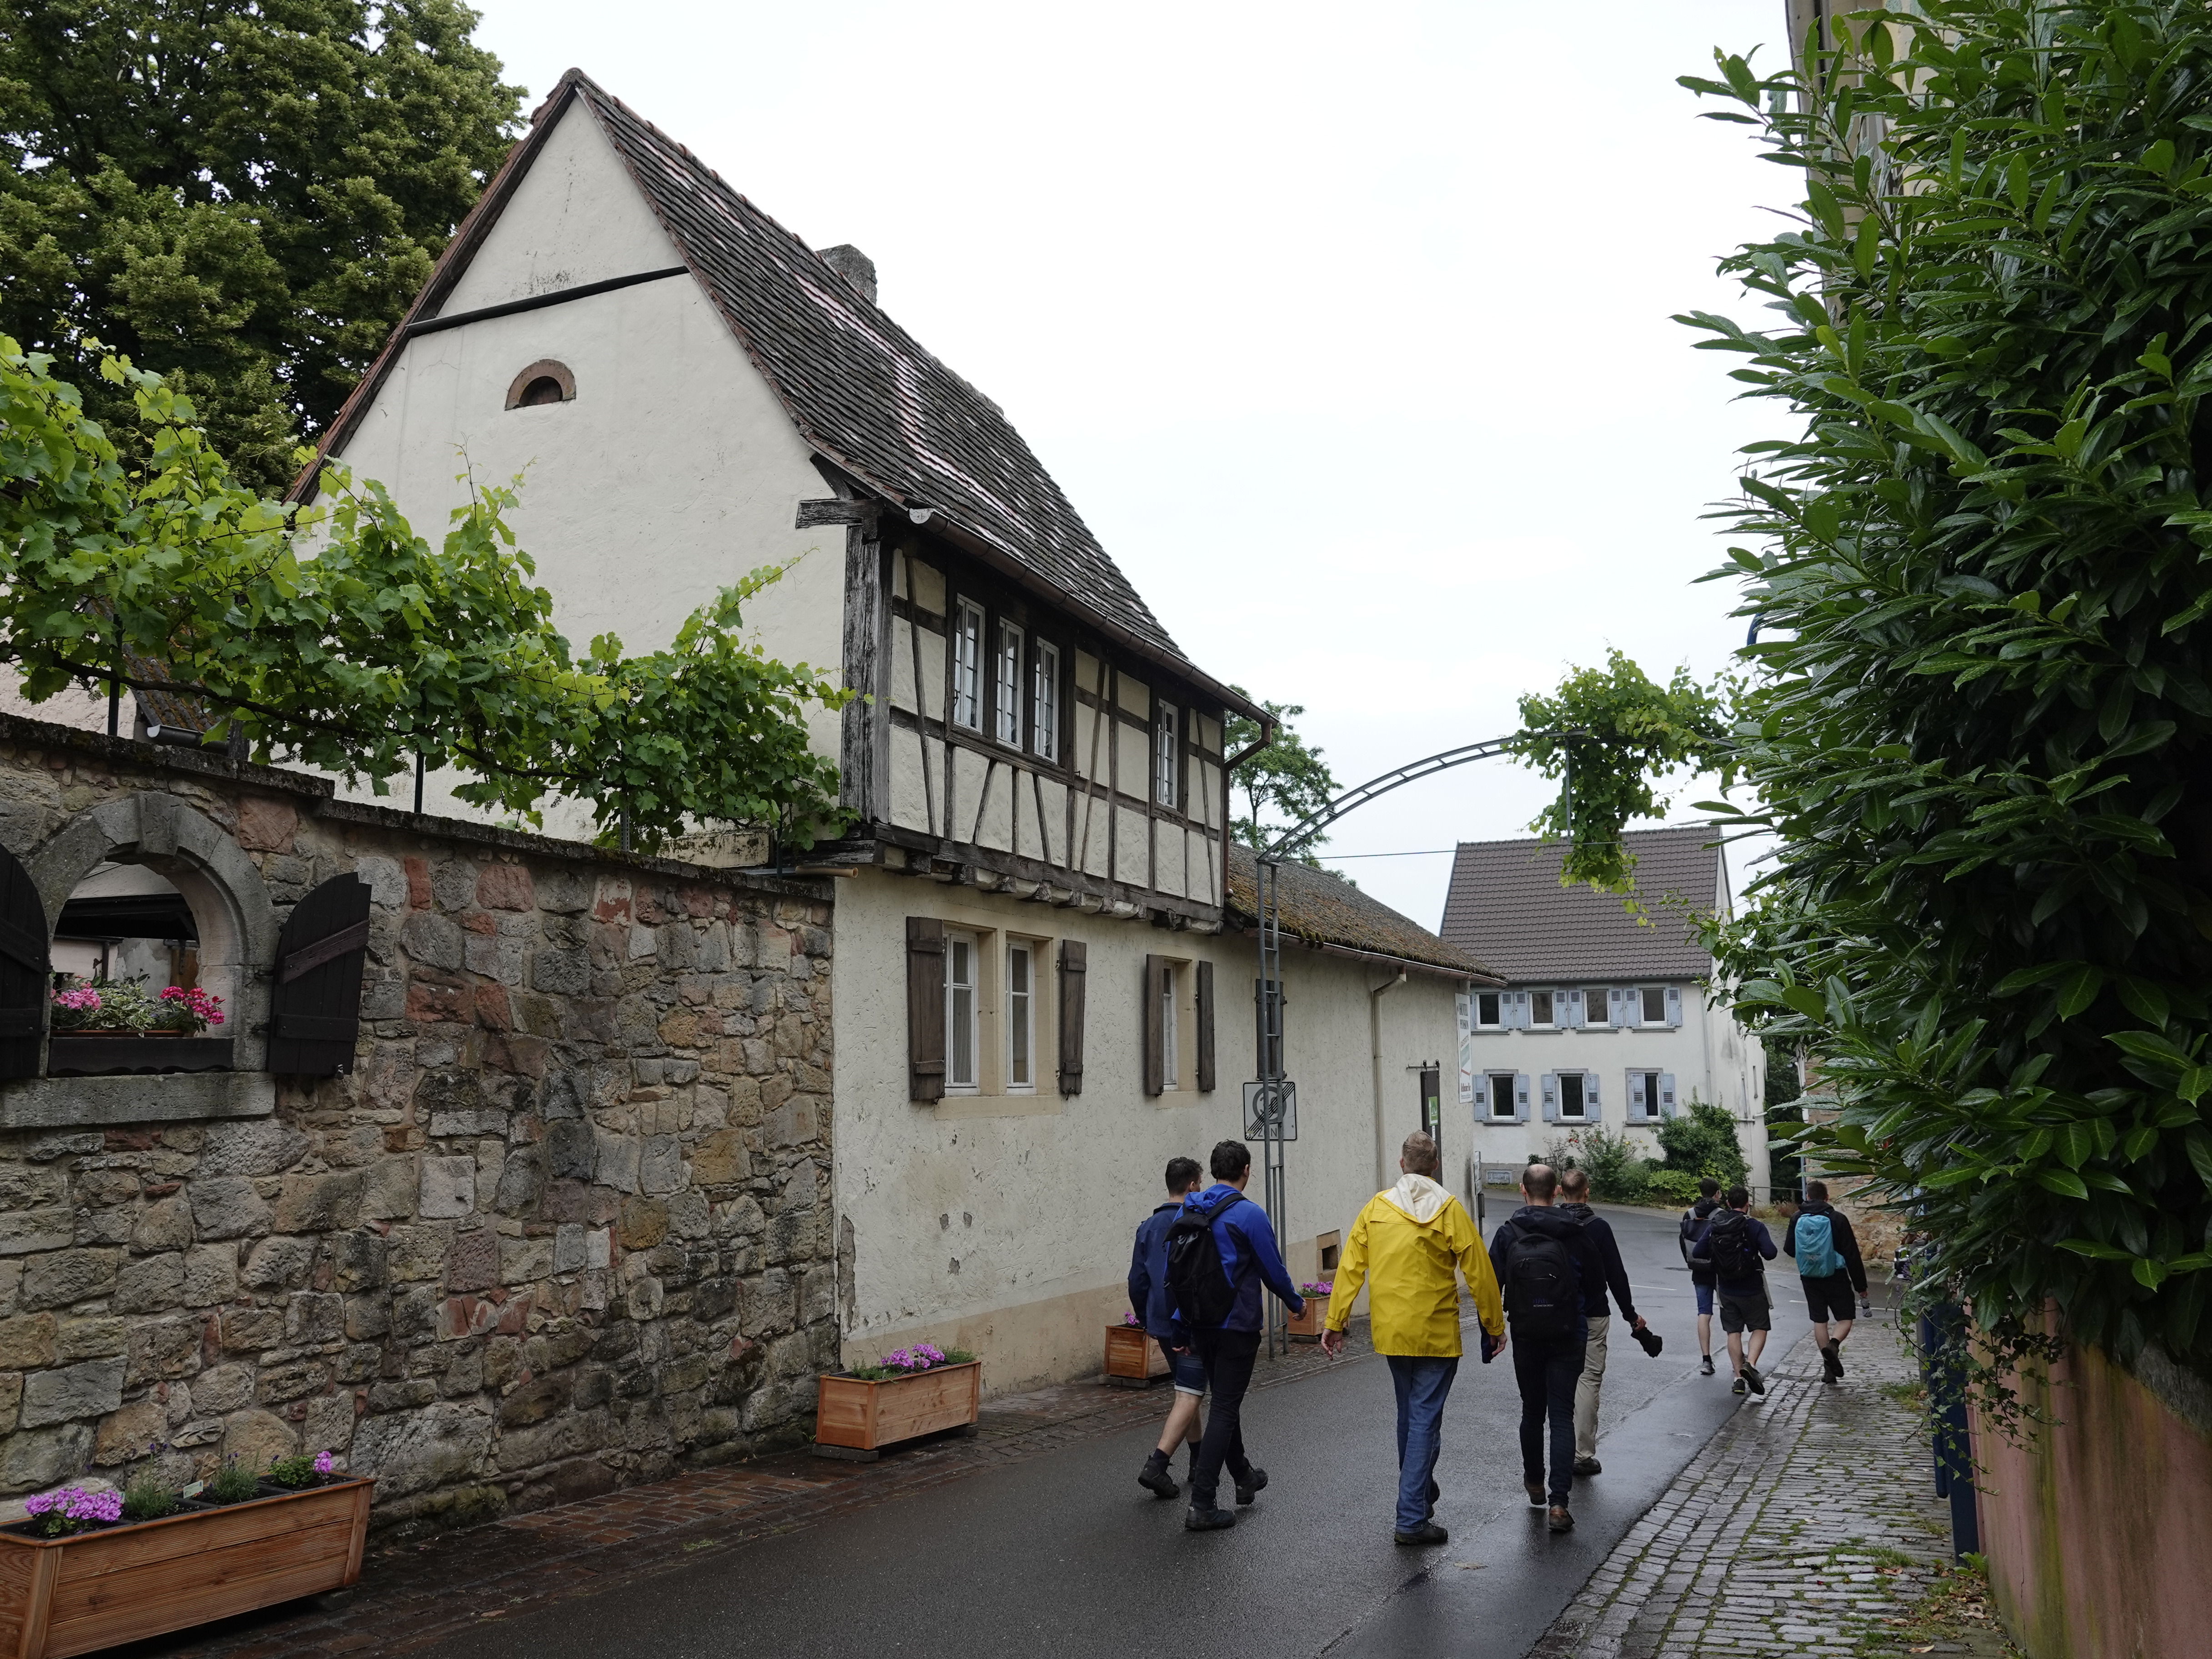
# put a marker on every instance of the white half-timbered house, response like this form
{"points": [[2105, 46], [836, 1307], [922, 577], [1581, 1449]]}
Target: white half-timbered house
{"points": [[1032, 972]]}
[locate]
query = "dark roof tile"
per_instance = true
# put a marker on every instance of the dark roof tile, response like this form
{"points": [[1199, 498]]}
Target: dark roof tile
{"points": [[1506, 905], [1317, 907]]}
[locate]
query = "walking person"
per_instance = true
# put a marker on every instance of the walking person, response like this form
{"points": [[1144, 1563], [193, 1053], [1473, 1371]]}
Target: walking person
{"points": [[1410, 1246], [1148, 1300], [1574, 1202], [1736, 1246], [1543, 1260], [1819, 1239], [1701, 1279], [1220, 1251]]}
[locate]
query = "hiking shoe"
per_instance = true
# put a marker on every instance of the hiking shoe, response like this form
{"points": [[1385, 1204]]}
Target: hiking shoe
{"points": [[1589, 1465], [1156, 1480], [1836, 1349], [1756, 1382], [1738, 1387], [1199, 1520], [1831, 1365], [1706, 1365], [1536, 1491], [1427, 1532], [1560, 1521], [1251, 1485]]}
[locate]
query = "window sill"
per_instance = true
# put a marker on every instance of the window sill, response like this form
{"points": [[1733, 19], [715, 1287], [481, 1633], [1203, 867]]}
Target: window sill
{"points": [[63, 1103]]}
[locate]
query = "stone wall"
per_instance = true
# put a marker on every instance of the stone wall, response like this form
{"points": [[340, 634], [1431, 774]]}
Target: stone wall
{"points": [[566, 1224]]}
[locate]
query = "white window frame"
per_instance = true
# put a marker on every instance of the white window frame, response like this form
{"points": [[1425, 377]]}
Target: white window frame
{"points": [[1551, 1008], [1476, 1022], [1650, 1113], [1021, 1017], [1502, 1098], [962, 1008], [1170, 1055], [967, 665], [1044, 716], [1644, 995], [1006, 684], [1167, 757], [1597, 1008], [1581, 1091]]}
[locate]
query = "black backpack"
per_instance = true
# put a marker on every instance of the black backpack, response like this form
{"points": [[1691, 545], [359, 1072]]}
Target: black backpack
{"points": [[1541, 1295], [1198, 1283], [1727, 1241]]}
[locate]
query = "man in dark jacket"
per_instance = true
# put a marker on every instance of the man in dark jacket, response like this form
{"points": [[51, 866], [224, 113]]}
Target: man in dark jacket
{"points": [[1830, 1270], [1148, 1300], [1544, 1260], [1574, 1193], [1701, 1279], [1731, 1247], [1246, 1244]]}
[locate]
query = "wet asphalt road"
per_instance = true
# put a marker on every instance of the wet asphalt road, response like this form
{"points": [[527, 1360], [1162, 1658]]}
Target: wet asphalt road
{"points": [[1064, 1555]]}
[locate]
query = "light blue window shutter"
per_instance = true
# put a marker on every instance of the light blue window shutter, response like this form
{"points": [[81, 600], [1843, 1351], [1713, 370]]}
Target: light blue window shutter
{"points": [[1481, 1086], [1636, 1106], [1570, 1010], [1466, 1048], [1519, 1021], [1521, 1096], [1673, 1006], [1551, 1097], [1590, 1107], [1666, 1095], [1616, 1014]]}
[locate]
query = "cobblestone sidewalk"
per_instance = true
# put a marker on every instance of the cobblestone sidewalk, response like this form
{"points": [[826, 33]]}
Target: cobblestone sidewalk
{"points": [[1808, 1525], [411, 1593]]}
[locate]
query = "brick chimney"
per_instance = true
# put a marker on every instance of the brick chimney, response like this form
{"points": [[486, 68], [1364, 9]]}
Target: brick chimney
{"points": [[854, 266]]}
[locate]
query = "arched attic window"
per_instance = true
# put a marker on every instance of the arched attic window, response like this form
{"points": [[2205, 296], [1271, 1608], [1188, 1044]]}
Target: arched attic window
{"points": [[545, 381]]}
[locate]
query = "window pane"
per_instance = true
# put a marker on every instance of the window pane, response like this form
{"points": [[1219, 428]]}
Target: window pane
{"points": [[1655, 1005], [1044, 721], [1540, 1007], [1166, 757], [1651, 1102], [1501, 1094], [968, 667], [1571, 1094], [1018, 1016], [1594, 1012], [959, 1012], [1485, 1008], [1006, 688], [1171, 1066]]}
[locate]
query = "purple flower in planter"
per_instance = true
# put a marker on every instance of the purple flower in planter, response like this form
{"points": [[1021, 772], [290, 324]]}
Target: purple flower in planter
{"points": [[72, 1509], [323, 1462]]}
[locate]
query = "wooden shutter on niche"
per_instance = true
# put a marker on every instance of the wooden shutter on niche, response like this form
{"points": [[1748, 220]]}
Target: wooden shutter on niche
{"points": [[1204, 1028], [315, 1014], [24, 963], [1072, 970], [1156, 1060], [925, 1008]]}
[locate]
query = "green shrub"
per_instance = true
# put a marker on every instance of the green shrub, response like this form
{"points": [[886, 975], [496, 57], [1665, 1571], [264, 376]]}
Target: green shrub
{"points": [[1670, 1186], [1702, 1141], [148, 1497], [233, 1484], [1618, 1173]]}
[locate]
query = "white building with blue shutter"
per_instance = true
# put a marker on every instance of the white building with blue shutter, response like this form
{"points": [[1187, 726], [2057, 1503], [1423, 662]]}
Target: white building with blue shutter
{"points": [[1603, 1019]]}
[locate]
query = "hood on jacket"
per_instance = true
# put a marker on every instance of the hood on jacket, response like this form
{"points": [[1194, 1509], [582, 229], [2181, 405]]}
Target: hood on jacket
{"points": [[1211, 1202], [1816, 1206], [1705, 1206], [1418, 1196], [1545, 1219], [1580, 1211]]}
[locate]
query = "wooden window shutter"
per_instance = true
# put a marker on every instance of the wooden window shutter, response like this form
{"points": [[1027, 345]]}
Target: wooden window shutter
{"points": [[1156, 1062], [925, 1008], [1205, 1081], [24, 965], [1072, 952], [314, 1015]]}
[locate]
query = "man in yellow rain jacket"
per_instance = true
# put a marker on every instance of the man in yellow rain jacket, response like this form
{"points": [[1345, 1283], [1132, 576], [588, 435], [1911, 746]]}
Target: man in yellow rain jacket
{"points": [[1410, 1245]]}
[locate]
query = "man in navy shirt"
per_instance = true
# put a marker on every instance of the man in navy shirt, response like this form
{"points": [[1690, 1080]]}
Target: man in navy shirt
{"points": [[1732, 1246], [1149, 1301]]}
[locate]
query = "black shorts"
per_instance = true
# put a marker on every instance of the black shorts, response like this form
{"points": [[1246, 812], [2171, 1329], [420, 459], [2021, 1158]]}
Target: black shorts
{"points": [[1746, 1313], [1830, 1297]]}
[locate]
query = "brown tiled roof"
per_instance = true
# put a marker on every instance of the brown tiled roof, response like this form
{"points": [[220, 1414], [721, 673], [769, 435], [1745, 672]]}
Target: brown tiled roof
{"points": [[1317, 908], [862, 390], [1507, 906]]}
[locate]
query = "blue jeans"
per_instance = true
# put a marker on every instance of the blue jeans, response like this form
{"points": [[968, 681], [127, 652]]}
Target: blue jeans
{"points": [[1423, 1385], [1547, 1369]]}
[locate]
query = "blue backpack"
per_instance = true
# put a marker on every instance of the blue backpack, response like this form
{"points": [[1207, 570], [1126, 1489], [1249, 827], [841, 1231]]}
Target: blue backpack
{"points": [[1816, 1248]]}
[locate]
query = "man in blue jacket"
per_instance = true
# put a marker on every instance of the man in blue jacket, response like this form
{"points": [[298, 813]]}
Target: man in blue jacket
{"points": [[1736, 1248], [1546, 1264], [1246, 1245], [1149, 1301]]}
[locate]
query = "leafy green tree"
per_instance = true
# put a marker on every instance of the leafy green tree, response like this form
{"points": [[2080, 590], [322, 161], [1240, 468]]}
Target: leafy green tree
{"points": [[245, 198], [1701, 1141], [1282, 785], [378, 648], [1982, 715]]}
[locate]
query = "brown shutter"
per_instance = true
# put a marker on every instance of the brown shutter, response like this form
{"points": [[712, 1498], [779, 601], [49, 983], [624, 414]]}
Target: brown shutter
{"points": [[1205, 1027], [925, 1008], [315, 1015], [24, 965], [1072, 954], [1156, 1067]]}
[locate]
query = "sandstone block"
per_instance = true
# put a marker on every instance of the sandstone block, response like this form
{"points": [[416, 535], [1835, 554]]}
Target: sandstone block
{"points": [[128, 1433], [313, 1317], [453, 883], [320, 1203], [254, 1437], [250, 1329], [280, 1263], [162, 1348], [264, 825], [660, 1165], [222, 1389], [90, 1339], [561, 973], [524, 1261], [391, 1190], [568, 1250], [228, 1207], [449, 1188], [472, 1263], [71, 1392], [166, 1224], [329, 1425], [432, 940], [644, 1222], [250, 1146], [26, 1231], [357, 1261], [618, 1161], [210, 1274], [30, 1462], [67, 1276], [387, 882], [27, 1342]]}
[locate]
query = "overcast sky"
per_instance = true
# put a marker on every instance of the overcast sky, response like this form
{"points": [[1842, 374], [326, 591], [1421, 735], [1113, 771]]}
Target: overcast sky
{"points": [[1346, 328]]}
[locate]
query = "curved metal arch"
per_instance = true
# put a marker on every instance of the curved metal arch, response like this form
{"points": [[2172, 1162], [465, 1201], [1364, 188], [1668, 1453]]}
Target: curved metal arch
{"points": [[1351, 799]]}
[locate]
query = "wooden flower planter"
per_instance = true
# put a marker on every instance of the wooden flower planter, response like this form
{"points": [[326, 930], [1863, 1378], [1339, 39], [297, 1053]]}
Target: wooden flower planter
{"points": [[1306, 1327], [855, 1418], [91, 1053], [64, 1595], [1133, 1360]]}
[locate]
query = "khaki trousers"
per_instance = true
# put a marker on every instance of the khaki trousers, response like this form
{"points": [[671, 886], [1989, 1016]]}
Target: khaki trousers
{"points": [[1586, 1390]]}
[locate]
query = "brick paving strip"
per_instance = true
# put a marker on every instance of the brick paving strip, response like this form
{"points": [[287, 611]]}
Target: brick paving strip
{"points": [[1802, 1526], [411, 1593]]}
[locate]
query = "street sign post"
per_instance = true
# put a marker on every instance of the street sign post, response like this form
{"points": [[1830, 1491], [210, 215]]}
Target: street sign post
{"points": [[1271, 1108]]}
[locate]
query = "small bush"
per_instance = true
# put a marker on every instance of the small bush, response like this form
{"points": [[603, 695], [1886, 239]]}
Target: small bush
{"points": [[232, 1484], [1701, 1141], [1664, 1186], [1618, 1172], [293, 1471], [148, 1497]]}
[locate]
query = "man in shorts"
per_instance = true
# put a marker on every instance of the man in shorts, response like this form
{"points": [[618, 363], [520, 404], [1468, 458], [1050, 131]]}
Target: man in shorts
{"points": [[1701, 1279], [1149, 1301], [1819, 1240], [1736, 1246]]}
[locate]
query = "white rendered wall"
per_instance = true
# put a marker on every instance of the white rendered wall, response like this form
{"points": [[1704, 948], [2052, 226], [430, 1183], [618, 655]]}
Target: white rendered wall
{"points": [[1002, 1223]]}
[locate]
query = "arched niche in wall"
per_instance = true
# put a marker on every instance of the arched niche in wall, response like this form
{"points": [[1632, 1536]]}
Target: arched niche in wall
{"points": [[545, 381]]}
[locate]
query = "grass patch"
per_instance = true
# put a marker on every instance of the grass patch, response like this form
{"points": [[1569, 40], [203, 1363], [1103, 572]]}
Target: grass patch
{"points": [[1910, 1396], [1956, 1608]]}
